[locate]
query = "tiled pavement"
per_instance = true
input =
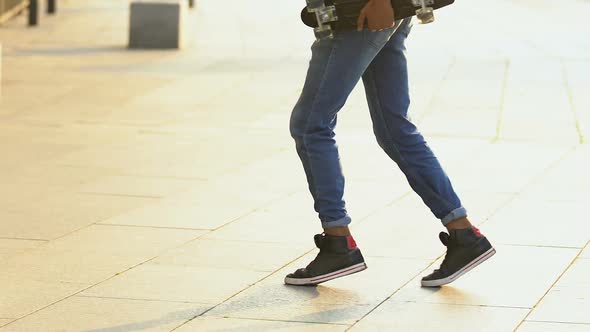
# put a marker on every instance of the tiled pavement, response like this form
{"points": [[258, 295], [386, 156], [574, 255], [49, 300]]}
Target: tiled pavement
{"points": [[159, 190]]}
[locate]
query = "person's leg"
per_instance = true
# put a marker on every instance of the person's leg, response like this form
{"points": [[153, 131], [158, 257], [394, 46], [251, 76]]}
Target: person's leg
{"points": [[335, 68], [387, 89]]}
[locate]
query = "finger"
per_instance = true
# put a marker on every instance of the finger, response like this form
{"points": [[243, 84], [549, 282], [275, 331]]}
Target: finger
{"points": [[361, 21]]}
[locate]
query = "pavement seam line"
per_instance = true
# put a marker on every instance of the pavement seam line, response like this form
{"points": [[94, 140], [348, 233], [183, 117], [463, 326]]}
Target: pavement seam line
{"points": [[292, 261], [396, 200], [151, 259], [395, 292], [437, 303], [93, 285], [75, 294], [405, 284], [500, 119], [97, 223], [288, 263], [532, 181], [540, 246], [471, 305], [553, 285], [282, 320], [156, 227], [101, 222], [242, 290], [557, 322], [96, 193], [459, 136], [254, 210], [122, 173], [23, 239], [439, 86], [570, 98], [507, 202], [139, 299]]}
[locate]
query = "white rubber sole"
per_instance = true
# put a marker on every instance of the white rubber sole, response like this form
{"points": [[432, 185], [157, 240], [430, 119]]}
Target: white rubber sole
{"points": [[440, 282], [329, 276]]}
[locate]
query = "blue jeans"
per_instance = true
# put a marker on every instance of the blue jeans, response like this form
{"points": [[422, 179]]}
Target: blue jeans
{"points": [[335, 68]]}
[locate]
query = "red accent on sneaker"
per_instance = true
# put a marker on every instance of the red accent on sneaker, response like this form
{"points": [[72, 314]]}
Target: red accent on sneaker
{"points": [[351, 243], [476, 231]]}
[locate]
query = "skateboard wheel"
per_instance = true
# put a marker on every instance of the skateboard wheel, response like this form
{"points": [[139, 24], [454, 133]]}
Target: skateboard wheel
{"points": [[422, 3], [327, 14], [425, 15], [315, 4], [324, 34]]}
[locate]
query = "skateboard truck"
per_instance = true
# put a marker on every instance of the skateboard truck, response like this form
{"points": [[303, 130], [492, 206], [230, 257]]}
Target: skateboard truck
{"points": [[324, 15], [425, 13]]}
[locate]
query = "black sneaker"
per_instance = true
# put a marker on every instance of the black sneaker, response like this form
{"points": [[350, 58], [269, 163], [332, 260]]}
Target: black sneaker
{"points": [[466, 249], [338, 257]]}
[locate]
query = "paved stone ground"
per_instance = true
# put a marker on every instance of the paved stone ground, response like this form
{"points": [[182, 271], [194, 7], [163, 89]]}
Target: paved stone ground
{"points": [[160, 190]]}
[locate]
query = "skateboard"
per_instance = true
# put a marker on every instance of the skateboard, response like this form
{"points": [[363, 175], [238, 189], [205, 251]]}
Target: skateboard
{"points": [[327, 16]]}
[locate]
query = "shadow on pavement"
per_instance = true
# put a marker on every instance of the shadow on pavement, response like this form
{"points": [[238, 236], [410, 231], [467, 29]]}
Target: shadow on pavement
{"points": [[177, 317]]}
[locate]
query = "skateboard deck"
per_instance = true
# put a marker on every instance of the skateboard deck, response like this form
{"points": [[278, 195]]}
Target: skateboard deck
{"points": [[343, 14]]}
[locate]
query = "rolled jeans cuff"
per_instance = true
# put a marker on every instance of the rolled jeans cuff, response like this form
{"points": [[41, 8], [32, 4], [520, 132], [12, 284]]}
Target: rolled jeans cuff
{"points": [[454, 215], [345, 221]]}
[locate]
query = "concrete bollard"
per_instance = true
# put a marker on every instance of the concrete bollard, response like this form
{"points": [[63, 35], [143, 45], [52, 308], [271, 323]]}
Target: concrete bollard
{"points": [[156, 24], [51, 6], [33, 12]]}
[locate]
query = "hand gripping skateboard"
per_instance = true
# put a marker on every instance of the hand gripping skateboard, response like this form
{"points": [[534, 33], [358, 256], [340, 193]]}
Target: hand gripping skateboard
{"points": [[327, 16]]}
